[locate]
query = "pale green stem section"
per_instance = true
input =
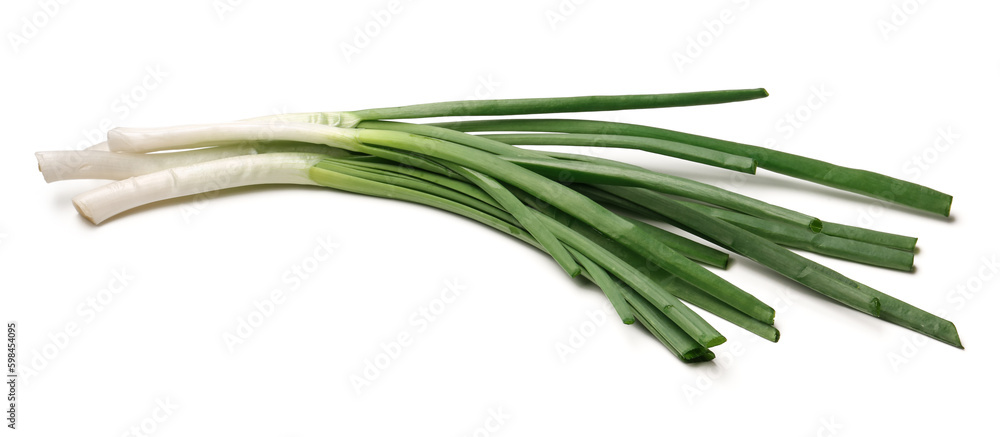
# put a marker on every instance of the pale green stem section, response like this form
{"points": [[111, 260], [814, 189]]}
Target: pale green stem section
{"points": [[109, 200]]}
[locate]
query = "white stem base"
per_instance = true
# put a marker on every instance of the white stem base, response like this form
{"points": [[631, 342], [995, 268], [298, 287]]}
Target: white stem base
{"points": [[207, 135], [93, 164], [275, 168]]}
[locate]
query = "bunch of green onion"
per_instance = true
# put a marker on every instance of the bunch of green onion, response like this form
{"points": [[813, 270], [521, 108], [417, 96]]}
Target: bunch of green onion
{"points": [[568, 205]]}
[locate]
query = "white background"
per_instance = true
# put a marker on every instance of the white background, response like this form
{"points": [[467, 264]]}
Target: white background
{"points": [[196, 267]]}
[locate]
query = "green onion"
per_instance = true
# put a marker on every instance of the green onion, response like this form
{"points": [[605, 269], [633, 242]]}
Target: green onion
{"points": [[555, 202], [708, 355], [474, 141], [332, 176], [665, 280], [389, 178], [662, 147], [796, 267], [862, 182], [780, 260], [587, 209], [612, 289], [886, 239], [523, 215], [693, 250], [501, 144], [591, 173], [665, 330], [559, 104], [599, 276], [823, 243], [574, 204], [778, 232], [750, 205]]}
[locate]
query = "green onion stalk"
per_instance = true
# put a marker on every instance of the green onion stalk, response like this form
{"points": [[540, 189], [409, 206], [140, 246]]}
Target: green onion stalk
{"points": [[556, 202]]}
